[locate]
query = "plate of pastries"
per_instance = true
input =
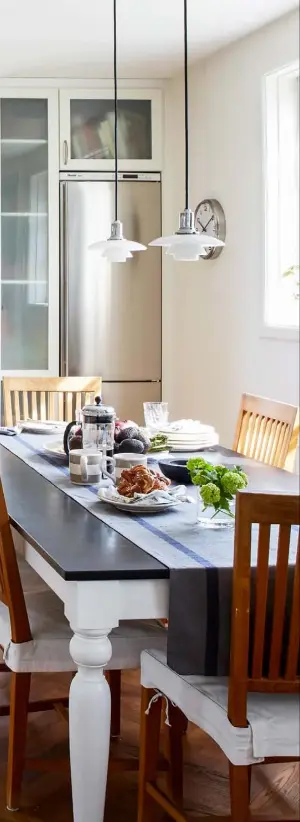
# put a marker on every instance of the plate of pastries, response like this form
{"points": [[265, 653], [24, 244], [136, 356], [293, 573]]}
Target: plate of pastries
{"points": [[142, 490]]}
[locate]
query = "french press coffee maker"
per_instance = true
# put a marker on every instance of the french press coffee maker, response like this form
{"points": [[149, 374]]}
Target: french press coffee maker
{"points": [[95, 428]]}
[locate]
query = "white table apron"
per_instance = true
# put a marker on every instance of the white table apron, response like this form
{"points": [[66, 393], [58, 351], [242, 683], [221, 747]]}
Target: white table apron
{"points": [[93, 609]]}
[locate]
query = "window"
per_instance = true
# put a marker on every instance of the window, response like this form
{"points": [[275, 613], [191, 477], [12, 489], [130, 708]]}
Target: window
{"points": [[281, 309]]}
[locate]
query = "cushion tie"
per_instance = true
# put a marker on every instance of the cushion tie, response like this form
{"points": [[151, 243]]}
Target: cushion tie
{"points": [[158, 695]]}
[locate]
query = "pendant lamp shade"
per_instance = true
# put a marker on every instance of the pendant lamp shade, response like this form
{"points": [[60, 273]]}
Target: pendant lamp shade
{"points": [[116, 249], [186, 244]]}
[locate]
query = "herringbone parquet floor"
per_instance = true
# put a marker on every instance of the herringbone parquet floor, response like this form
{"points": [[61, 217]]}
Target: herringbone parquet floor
{"points": [[46, 796]]}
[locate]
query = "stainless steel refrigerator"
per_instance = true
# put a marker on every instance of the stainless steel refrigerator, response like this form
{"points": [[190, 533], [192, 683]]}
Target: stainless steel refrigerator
{"points": [[110, 314]]}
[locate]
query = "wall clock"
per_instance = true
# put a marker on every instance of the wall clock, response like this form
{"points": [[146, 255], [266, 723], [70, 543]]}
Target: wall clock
{"points": [[210, 219]]}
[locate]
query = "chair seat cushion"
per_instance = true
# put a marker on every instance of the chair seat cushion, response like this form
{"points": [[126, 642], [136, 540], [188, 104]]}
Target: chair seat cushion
{"points": [[273, 719], [51, 633]]}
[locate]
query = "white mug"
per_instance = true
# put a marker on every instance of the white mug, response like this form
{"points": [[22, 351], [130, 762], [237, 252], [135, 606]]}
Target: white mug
{"points": [[127, 460], [88, 467]]}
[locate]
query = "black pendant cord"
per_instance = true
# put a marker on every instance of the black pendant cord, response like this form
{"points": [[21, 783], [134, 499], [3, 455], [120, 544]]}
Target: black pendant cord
{"points": [[116, 109], [186, 107]]}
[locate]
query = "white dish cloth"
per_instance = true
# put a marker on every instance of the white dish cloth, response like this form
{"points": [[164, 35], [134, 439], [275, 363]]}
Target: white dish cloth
{"points": [[176, 493]]}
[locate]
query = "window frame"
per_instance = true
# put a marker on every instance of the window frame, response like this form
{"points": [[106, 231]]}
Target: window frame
{"points": [[271, 216]]}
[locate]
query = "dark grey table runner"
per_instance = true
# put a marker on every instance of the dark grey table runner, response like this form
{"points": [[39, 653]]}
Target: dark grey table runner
{"points": [[200, 613]]}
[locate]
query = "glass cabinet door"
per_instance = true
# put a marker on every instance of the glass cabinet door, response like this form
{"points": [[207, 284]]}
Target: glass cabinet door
{"points": [[87, 130], [24, 259]]}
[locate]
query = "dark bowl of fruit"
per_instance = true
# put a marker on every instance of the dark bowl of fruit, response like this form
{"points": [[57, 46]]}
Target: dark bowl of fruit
{"points": [[175, 470]]}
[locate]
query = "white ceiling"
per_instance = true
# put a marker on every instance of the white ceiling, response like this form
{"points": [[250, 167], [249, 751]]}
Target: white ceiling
{"points": [[73, 38]]}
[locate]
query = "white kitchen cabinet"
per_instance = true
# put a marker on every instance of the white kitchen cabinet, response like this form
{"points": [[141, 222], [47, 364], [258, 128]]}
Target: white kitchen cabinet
{"points": [[29, 249], [41, 131], [87, 129]]}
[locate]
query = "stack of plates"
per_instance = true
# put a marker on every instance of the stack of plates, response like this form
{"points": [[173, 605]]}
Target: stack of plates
{"points": [[190, 435], [40, 427]]}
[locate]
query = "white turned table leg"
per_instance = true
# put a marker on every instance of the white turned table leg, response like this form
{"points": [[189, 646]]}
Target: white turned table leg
{"points": [[89, 716]]}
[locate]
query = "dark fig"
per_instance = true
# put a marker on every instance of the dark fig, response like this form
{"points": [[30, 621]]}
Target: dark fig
{"points": [[118, 435], [131, 447], [144, 439], [127, 434]]}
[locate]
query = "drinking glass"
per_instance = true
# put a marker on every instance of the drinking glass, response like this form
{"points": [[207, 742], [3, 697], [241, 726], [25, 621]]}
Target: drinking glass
{"points": [[156, 414]]}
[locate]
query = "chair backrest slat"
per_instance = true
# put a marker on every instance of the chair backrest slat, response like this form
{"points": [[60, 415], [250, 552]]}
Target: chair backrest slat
{"points": [[34, 410], [285, 444], [267, 431], [265, 629], [43, 398], [261, 596], [69, 406], [275, 441], [255, 436], [60, 404], [43, 410], [265, 442], [294, 638], [12, 591], [244, 426], [280, 596], [272, 426], [260, 434], [52, 405], [25, 399], [17, 404], [78, 401]]}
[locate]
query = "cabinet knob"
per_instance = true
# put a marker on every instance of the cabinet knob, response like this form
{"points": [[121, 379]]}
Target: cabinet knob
{"points": [[65, 152]]}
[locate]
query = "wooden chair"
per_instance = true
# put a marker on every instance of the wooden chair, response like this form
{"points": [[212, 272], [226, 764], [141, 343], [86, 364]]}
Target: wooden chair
{"points": [[24, 601], [256, 717], [47, 398], [267, 431], [58, 398]]}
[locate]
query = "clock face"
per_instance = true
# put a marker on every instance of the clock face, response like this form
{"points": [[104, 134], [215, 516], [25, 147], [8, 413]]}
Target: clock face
{"points": [[210, 219]]}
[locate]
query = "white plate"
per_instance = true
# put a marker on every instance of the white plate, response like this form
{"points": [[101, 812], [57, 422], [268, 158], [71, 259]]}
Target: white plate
{"points": [[200, 441], [56, 449], [143, 507], [191, 443], [151, 508], [37, 427], [204, 431], [181, 447]]}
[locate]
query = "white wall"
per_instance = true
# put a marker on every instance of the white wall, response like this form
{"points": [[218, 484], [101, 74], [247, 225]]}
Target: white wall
{"points": [[213, 348]]}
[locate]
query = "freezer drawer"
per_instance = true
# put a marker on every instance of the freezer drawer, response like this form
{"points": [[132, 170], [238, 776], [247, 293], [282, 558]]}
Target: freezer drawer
{"points": [[127, 398]]}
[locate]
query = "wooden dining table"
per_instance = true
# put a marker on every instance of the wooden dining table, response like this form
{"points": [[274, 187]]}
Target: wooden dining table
{"points": [[102, 577]]}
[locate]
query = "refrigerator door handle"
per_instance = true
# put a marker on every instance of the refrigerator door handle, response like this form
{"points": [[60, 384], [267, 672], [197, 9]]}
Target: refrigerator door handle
{"points": [[65, 152], [64, 284]]}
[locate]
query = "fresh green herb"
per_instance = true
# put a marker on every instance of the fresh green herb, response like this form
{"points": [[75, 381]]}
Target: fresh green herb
{"points": [[217, 484]]}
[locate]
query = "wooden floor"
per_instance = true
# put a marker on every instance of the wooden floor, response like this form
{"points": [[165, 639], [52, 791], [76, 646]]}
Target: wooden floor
{"points": [[47, 798]]}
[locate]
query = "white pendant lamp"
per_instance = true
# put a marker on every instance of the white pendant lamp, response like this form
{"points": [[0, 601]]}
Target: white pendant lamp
{"points": [[186, 244], [116, 249]]}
